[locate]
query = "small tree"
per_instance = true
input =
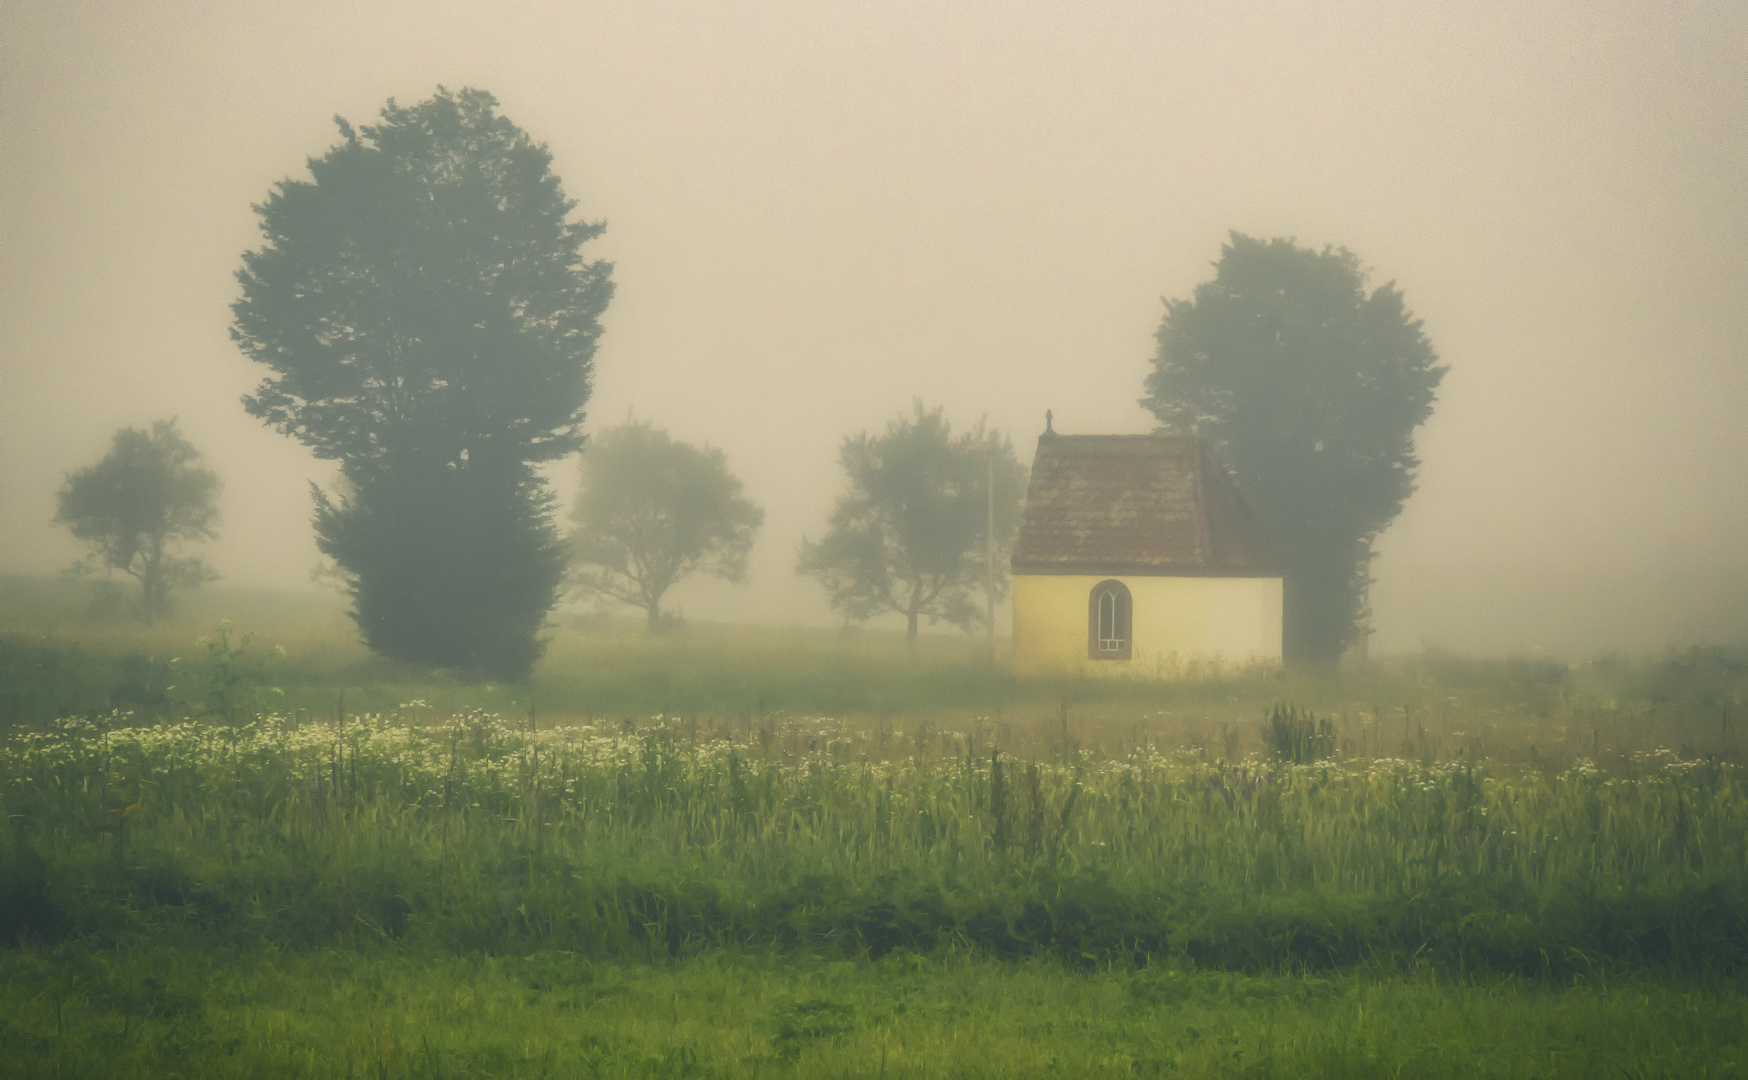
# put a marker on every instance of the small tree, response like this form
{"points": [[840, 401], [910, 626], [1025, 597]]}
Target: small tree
{"points": [[1312, 387], [911, 535], [138, 506], [653, 512]]}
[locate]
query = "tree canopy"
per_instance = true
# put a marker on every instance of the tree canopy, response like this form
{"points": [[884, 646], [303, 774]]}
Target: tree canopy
{"points": [[430, 322], [138, 506], [1312, 387], [653, 512], [911, 534]]}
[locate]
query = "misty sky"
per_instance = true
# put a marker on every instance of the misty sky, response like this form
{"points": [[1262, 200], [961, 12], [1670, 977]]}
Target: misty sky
{"points": [[820, 210]]}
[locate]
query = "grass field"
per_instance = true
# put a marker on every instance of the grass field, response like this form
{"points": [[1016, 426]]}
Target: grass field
{"points": [[154, 1012], [764, 852]]}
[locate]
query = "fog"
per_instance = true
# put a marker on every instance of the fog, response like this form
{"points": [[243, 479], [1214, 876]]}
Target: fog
{"points": [[819, 211]]}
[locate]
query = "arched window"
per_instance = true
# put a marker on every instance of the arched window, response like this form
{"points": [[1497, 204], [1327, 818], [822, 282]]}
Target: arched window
{"points": [[1109, 618]]}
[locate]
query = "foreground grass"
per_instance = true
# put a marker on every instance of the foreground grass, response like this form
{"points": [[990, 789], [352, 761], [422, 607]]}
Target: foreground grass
{"points": [[154, 1011]]}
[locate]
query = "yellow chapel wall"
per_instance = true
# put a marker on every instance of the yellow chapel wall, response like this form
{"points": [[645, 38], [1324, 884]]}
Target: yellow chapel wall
{"points": [[1179, 623]]}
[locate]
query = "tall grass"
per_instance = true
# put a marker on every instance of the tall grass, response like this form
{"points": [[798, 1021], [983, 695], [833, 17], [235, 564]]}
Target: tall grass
{"points": [[840, 794], [667, 836]]}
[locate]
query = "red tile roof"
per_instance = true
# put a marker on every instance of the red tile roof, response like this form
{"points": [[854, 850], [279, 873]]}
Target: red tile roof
{"points": [[1137, 504]]}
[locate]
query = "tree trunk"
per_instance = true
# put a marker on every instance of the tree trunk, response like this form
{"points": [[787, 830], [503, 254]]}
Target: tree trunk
{"points": [[151, 593], [1318, 613], [910, 629], [654, 608]]}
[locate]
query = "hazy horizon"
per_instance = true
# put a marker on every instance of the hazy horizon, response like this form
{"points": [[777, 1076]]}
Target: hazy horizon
{"points": [[820, 212]]}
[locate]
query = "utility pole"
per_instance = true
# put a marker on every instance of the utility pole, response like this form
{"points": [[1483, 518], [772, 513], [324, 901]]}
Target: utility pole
{"points": [[989, 560]]}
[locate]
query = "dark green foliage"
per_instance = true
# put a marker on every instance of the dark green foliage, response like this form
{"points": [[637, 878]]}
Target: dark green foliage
{"points": [[232, 684], [425, 293], [1300, 740], [26, 907], [797, 1022], [430, 322], [40, 682], [1312, 388], [653, 512], [456, 568], [136, 509], [911, 534], [1709, 676]]}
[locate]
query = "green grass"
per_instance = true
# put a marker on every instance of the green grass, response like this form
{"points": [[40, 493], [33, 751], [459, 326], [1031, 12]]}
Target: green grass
{"points": [[664, 840], [149, 1010], [768, 852]]}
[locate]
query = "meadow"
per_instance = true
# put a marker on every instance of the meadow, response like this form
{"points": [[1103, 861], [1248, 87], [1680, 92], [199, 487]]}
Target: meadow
{"points": [[729, 852]]}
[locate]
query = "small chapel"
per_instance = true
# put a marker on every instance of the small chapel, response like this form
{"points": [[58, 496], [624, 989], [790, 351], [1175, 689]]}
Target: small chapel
{"points": [[1137, 555]]}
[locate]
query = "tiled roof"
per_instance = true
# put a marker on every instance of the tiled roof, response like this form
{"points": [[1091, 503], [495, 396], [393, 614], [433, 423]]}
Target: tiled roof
{"points": [[1144, 504]]}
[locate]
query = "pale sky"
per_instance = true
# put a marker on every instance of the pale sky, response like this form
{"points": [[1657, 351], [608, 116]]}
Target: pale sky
{"points": [[821, 210]]}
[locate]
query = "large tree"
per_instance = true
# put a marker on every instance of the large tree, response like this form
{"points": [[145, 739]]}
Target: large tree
{"points": [[653, 512], [1311, 385], [430, 323], [137, 508], [911, 535]]}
